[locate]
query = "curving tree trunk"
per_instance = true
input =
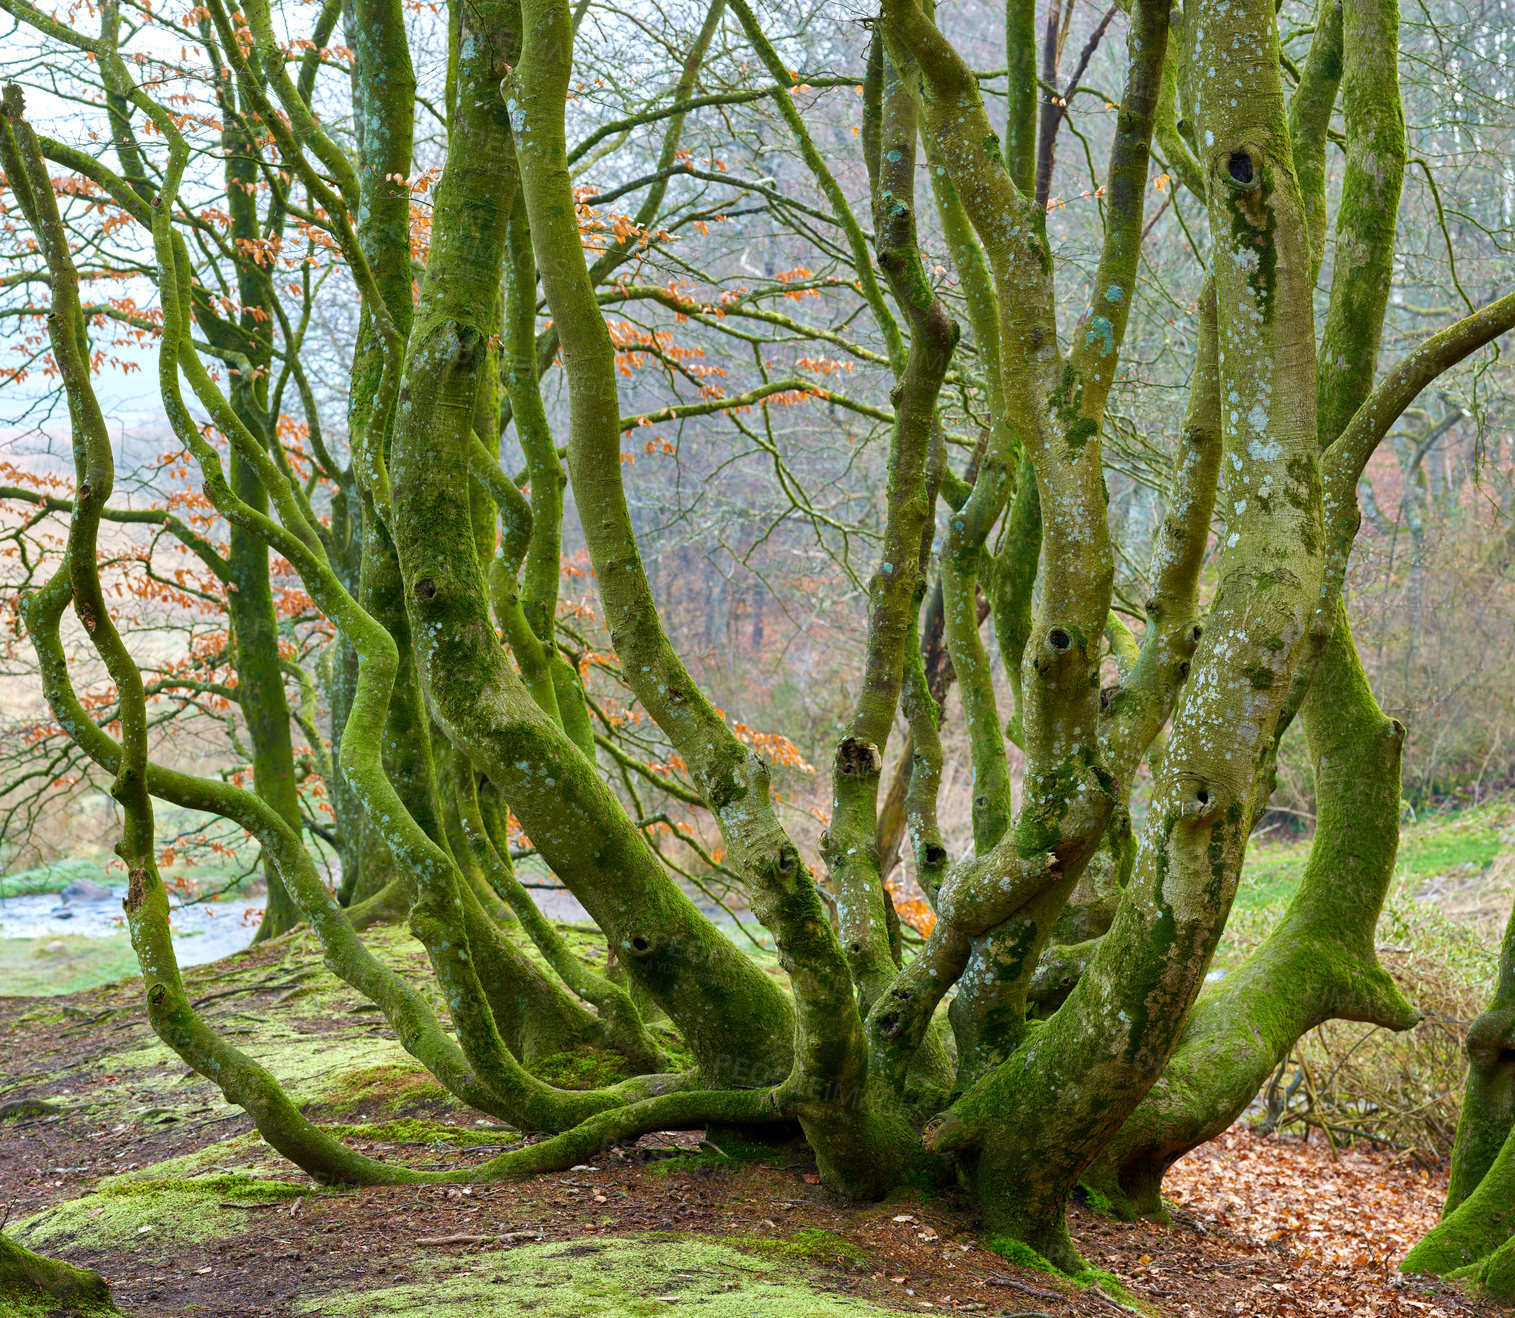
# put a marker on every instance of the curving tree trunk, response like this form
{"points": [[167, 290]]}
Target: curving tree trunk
{"points": [[1319, 963], [1475, 1239], [1078, 1045], [28, 1280]]}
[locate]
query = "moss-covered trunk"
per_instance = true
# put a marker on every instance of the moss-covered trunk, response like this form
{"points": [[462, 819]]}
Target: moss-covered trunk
{"points": [[1317, 965], [1475, 1238], [727, 1008], [30, 1281]]}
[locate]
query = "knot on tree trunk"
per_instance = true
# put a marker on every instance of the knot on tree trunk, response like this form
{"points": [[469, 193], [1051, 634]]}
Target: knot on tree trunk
{"points": [[1201, 800], [948, 1133], [1057, 650], [858, 760], [1491, 1039], [1239, 169]]}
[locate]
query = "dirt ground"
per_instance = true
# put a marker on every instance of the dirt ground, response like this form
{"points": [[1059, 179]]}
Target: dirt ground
{"points": [[91, 1104]]}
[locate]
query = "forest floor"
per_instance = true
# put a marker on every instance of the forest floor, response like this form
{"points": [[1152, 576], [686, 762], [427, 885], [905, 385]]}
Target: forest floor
{"points": [[126, 1161]]}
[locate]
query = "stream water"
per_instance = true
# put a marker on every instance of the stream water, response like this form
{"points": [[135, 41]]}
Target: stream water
{"points": [[205, 931]]}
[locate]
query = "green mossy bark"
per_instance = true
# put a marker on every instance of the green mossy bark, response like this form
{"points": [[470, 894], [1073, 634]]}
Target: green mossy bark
{"points": [[31, 1281], [1319, 963], [1071, 1082], [1478, 1227], [726, 1007], [1035, 1100], [438, 914], [405, 746], [254, 623], [1478, 1221], [1055, 407], [172, 1019], [621, 1027], [1310, 110], [850, 844], [383, 93], [1012, 584], [1149, 674], [1022, 98], [1492, 1277], [731, 778], [968, 528], [1488, 1105], [260, 689]]}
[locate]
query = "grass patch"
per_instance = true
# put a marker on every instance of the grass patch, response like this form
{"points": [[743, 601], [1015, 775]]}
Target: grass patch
{"points": [[63, 963], [54, 878], [1433, 844], [1451, 893], [1469, 838]]}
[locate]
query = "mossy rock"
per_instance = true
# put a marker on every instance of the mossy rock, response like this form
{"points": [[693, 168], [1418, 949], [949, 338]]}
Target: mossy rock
{"points": [[607, 1277]]}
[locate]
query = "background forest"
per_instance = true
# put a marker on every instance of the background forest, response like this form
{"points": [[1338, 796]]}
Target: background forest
{"points": [[758, 523]]}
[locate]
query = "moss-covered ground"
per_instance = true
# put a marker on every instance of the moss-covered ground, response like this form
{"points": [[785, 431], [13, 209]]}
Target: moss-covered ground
{"points": [[610, 1277], [137, 1167]]}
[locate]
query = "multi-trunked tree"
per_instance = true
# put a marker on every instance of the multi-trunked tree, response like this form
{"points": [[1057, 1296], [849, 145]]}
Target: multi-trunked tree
{"points": [[1081, 1042]]}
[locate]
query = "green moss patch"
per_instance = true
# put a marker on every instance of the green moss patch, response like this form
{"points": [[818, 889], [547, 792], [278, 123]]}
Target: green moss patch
{"points": [[63, 963], [727, 1154], [1112, 1285], [21, 1305], [627, 1277], [413, 1130], [1096, 1201], [311, 1067], [583, 1068], [1021, 1254], [389, 1087], [807, 1243], [239, 1150], [1492, 1277], [127, 1212]]}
